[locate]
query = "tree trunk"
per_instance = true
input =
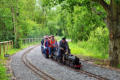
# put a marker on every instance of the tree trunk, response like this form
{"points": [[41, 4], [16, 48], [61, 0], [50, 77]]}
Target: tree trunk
{"points": [[113, 20], [14, 25]]}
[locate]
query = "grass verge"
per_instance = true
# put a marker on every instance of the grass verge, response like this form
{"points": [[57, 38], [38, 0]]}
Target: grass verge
{"points": [[3, 69], [80, 50], [3, 75]]}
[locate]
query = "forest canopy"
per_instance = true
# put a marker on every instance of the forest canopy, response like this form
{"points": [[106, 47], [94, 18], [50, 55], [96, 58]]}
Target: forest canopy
{"points": [[79, 20], [73, 20]]}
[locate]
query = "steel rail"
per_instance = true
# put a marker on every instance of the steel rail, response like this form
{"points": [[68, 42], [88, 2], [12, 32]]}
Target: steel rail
{"points": [[32, 67]]}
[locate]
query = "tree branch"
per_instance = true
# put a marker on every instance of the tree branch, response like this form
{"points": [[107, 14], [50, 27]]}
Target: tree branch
{"points": [[104, 4]]}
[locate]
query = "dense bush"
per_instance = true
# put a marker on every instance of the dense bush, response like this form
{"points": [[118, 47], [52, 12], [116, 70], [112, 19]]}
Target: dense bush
{"points": [[96, 46]]}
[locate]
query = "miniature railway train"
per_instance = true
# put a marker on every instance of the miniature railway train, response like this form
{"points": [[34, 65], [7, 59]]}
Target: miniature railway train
{"points": [[66, 59]]}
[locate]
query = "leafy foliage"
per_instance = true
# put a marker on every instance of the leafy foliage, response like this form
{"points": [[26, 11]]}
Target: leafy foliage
{"points": [[75, 19], [3, 75], [29, 21], [94, 46], [81, 20]]}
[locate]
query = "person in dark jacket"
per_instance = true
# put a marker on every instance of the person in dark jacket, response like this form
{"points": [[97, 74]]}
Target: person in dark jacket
{"points": [[42, 44], [46, 44], [63, 47]]}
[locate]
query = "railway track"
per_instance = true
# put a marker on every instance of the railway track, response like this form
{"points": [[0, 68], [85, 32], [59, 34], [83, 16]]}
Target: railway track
{"points": [[42, 75], [45, 76], [92, 75], [99, 77]]}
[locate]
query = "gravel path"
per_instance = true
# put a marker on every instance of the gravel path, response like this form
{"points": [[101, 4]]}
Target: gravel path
{"points": [[110, 74], [20, 71], [54, 69]]}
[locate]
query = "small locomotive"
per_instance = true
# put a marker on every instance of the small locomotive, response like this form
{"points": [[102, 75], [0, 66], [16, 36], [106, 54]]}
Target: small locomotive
{"points": [[72, 61], [65, 58], [69, 60]]}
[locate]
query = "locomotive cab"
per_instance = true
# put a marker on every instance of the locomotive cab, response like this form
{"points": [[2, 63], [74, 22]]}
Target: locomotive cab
{"points": [[74, 62]]}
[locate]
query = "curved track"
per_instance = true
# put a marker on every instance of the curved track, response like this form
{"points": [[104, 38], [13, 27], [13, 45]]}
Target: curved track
{"points": [[45, 76], [99, 77], [92, 75], [37, 71]]}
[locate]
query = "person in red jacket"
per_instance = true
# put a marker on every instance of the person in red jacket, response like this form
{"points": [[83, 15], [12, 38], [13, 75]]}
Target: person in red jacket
{"points": [[53, 45]]}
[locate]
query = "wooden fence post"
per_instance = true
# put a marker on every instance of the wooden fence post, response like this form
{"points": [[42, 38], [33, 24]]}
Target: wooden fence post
{"points": [[4, 48], [7, 47], [0, 49], [12, 44]]}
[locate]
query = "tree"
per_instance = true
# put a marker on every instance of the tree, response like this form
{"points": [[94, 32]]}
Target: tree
{"points": [[113, 22], [17, 20]]}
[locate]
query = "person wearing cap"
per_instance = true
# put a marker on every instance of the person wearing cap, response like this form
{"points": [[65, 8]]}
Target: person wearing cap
{"points": [[63, 47], [46, 44], [49, 38], [53, 45]]}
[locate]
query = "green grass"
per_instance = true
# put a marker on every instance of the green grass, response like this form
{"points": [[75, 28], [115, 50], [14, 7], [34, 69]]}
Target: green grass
{"points": [[3, 73], [118, 66], [91, 49], [83, 49], [14, 50]]}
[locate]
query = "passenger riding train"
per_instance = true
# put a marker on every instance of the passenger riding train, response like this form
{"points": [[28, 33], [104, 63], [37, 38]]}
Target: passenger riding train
{"points": [[60, 53]]}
